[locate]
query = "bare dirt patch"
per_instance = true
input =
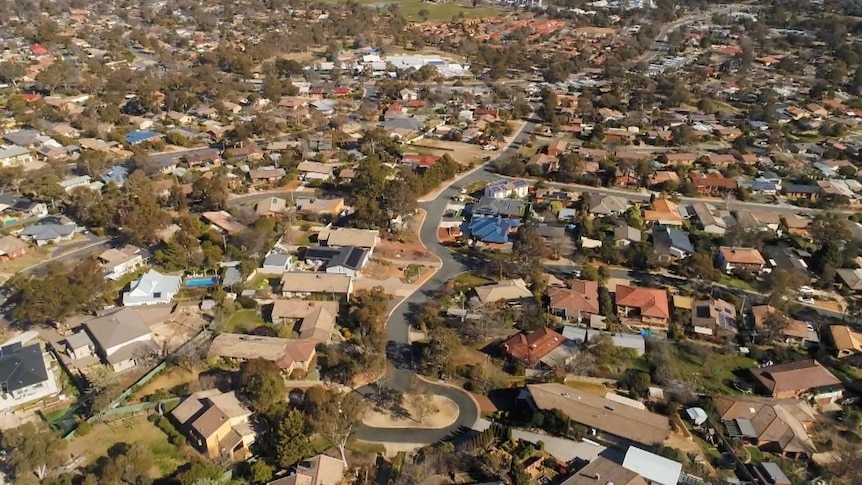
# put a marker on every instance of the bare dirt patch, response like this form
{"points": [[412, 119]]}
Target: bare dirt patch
{"points": [[447, 413], [406, 252]]}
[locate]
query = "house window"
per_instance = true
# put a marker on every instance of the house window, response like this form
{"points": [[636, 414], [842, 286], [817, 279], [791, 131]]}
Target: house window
{"points": [[157, 294]]}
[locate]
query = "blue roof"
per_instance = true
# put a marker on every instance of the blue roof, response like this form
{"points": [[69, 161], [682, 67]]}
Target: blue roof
{"points": [[141, 136], [116, 174], [491, 229]]}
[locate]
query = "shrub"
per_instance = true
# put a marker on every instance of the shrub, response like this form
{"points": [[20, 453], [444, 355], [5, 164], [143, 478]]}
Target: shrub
{"points": [[84, 427], [174, 436], [246, 302]]}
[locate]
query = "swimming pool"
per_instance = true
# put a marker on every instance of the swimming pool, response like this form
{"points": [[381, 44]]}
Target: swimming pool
{"points": [[199, 282]]}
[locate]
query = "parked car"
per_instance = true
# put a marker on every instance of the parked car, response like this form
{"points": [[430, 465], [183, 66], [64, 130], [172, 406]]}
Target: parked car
{"points": [[806, 299]]}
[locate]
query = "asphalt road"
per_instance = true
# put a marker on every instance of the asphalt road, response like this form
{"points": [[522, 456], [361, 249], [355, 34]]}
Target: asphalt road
{"points": [[398, 327]]}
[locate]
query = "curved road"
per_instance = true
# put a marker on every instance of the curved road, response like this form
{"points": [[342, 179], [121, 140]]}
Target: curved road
{"points": [[398, 327]]}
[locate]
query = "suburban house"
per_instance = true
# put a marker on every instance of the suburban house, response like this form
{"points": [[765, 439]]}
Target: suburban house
{"points": [[217, 423], [746, 259], [664, 212], [491, 230], [607, 470], [14, 156], [298, 283], [852, 278], [671, 244], [289, 355], [263, 176], [224, 222], [152, 288], [530, 348], [780, 426], [646, 307], [50, 230], [712, 220], [510, 291], [340, 237], [318, 470], [118, 262], [625, 235], [507, 208], [122, 338], [608, 205], [575, 303], [276, 264], [713, 184], [801, 378], [796, 224], [507, 189], [795, 332], [11, 247], [316, 318], [796, 191], [847, 343], [320, 207], [315, 170], [655, 468], [24, 375], [713, 317], [349, 261], [271, 207], [611, 419]]}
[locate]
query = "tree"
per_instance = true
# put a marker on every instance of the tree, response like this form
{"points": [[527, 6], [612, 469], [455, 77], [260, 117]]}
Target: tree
{"points": [[201, 472], [32, 449], [437, 356], [421, 405], [58, 294], [781, 281], [263, 383], [291, 438], [259, 472], [606, 304], [829, 226], [423, 14], [335, 416]]}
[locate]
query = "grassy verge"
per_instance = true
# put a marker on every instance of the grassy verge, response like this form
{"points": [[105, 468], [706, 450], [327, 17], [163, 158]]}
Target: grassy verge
{"points": [[470, 280]]}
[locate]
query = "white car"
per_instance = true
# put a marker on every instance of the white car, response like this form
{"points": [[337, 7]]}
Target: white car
{"points": [[806, 290], [806, 299]]}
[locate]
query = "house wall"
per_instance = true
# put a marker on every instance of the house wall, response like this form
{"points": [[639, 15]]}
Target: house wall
{"points": [[28, 391], [143, 338], [128, 266], [341, 270], [123, 365]]}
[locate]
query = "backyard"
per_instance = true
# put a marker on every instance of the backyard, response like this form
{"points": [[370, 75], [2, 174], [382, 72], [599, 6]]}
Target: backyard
{"points": [[243, 321]]}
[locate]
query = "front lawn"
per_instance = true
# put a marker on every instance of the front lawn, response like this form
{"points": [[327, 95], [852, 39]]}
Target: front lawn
{"points": [[469, 280]]}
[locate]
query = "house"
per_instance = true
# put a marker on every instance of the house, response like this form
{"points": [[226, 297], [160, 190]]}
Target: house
{"points": [[296, 283], [10, 203], [745, 259], [223, 221], [648, 307], [152, 288], [288, 355], [122, 338], [510, 291], [318, 470], [557, 148], [656, 469], [49, 230], [276, 264], [318, 207], [609, 420], [79, 346], [14, 156], [490, 230], [530, 348], [349, 261], [341, 237], [711, 220], [271, 207], [684, 159], [316, 318], [12, 247], [852, 278], [782, 256], [796, 224], [262, 176], [780, 426], [759, 220], [671, 244], [507, 189], [118, 262], [607, 470], [217, 423], [795, 332], [847, 343], [797, 192], [315, 170], [801, 378], [664, 212], [509, 208], [608, 205], [142, 136], [713, 317], [575, 303], [24, 375], [625, 235], [662, 177], [247, 153]]}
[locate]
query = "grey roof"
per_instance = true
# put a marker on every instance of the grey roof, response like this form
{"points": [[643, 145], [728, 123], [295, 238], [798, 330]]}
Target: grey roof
{"points": [[232, 276], [413, 124], [667, 238], [657, 469], [350, 257], [48, 232], [117, 328], [22, 137], [21, 367], [625, 232], [773, 472], [78, 340], [489, 206], [608, 205], [10, 151], [275, 259]]}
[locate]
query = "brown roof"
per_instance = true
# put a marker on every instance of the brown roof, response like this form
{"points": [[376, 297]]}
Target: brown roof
{"points": [[532, 347], [608, 472], [318, 317], [799, 377], [715, 181], [845, 338], [582, 297], [206, 411], [11, 245], [782, 422], [284, 352], [504, 290], [597, 412], [741, 255], [652, 302]]}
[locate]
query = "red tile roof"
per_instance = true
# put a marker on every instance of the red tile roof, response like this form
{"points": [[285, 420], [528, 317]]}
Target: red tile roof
{"points": [[652, 302], [532, 347]]}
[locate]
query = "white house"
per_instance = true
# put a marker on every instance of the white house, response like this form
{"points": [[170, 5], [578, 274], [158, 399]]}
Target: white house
{"points": [[24, 375], [511, 189], [153, 288], [349, 261], [14, 156], [120, 262]]}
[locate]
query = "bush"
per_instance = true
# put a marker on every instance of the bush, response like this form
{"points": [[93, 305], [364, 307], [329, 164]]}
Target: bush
{"points": [[84, 427], [174, 436], [246, 302]]}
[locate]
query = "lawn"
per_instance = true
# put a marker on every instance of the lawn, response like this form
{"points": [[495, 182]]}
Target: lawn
{"points": [[712, 374], [439, 12], [243, 321], [737, 283], [470, 280], [131, 430]]}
